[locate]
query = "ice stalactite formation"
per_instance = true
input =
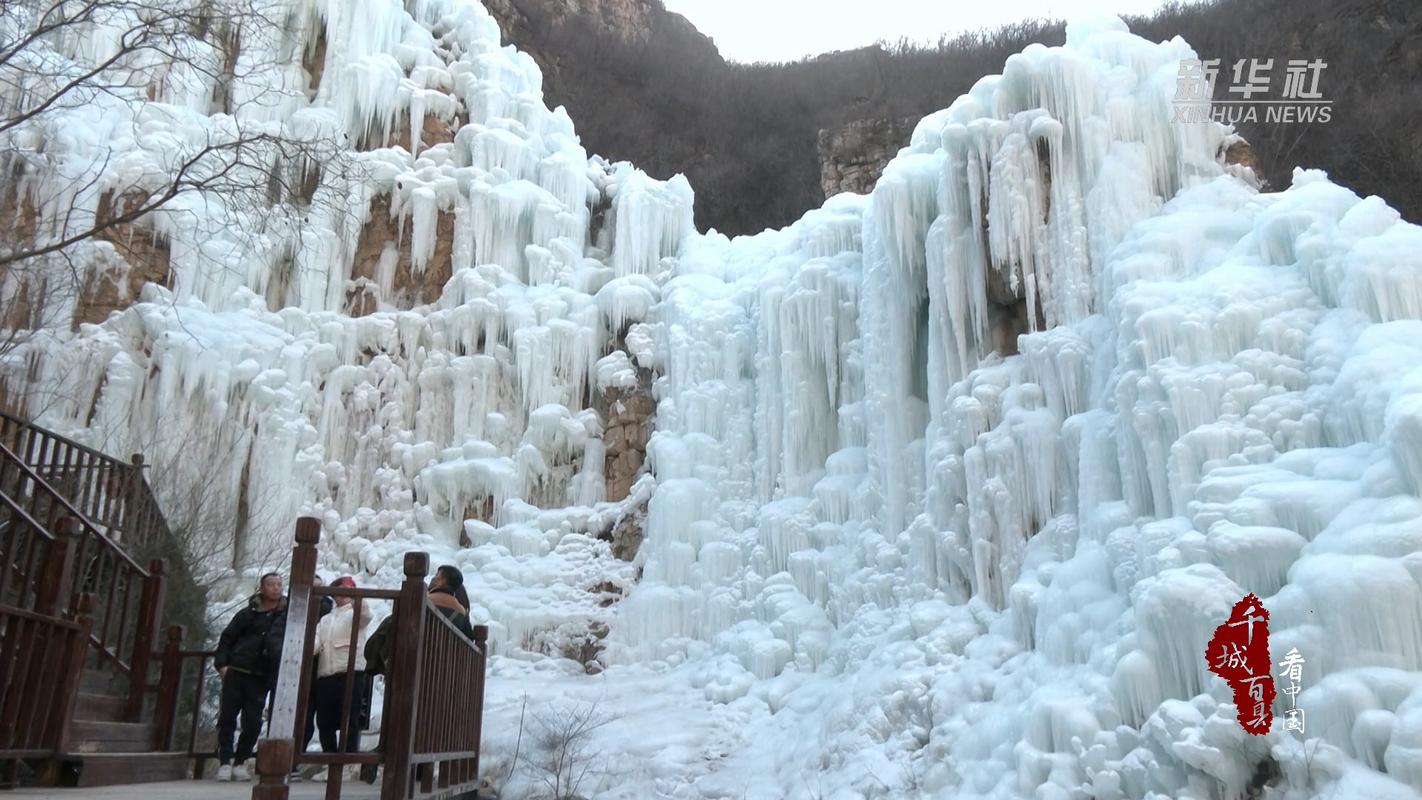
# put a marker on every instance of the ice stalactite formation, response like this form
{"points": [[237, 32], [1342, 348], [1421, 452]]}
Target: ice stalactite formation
{"points": [[952, 481]]}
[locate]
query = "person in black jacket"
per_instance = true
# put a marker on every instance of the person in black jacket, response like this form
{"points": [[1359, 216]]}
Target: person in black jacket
{"points": [[446, 592], [242, 662], [448, 595], [271, 652]]}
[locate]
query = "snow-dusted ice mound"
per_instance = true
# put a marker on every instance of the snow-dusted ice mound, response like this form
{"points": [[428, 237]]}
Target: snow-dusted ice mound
{"points": [[949, 484]]}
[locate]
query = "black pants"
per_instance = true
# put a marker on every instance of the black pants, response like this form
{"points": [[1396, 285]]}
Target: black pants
{"points": [[310, 727], [330, 693], [245, 694]]}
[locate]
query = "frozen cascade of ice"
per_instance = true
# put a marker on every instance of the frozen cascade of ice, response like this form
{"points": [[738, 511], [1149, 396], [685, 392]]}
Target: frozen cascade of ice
{"points": [[948, 484]]}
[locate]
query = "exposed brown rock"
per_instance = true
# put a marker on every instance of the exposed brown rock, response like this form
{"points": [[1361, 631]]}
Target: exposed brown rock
{"points": [[629, 415], [18, 218], [1238, 152], [434, 131], [382, 234], [628, 533], [361, 298], [609, 591], [139, 258], [486, 514], [147, 259], [853, 156], [577, 641], [314, 60]]}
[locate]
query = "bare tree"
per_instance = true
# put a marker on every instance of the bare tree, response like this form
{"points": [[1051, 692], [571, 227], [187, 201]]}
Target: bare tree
{"points": [[207, 75]]}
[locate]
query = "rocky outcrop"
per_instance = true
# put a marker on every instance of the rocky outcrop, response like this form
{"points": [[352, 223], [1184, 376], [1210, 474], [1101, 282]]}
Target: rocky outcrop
{"points": [[383, 257], [853, 156], [1238, 156], [541, 28], [625, 436], [123, 256]]}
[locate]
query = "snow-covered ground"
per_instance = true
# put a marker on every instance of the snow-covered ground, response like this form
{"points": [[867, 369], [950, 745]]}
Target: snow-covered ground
{"points": [[892, 548]]}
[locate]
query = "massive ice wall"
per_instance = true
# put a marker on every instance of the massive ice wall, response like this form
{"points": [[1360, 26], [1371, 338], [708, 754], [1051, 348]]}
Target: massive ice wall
{"points": [[952, 481], [415, 317]]}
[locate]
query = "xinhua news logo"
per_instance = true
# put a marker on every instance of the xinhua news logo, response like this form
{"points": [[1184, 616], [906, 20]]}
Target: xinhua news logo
{"points": [[1251, 96]]}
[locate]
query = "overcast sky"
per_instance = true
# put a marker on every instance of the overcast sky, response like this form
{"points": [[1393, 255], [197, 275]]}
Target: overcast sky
{"points": [[784, 30]]}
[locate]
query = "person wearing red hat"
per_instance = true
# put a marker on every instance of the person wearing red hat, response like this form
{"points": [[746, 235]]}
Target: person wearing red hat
{"points": [[334, 639]]}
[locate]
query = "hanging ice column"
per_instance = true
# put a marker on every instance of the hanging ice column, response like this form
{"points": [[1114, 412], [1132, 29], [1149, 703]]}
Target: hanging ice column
{"points": [[1027, 182], [649, 220]]}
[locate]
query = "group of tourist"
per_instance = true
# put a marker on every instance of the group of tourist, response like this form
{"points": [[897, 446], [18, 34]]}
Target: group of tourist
{"points": [[249, 657]]}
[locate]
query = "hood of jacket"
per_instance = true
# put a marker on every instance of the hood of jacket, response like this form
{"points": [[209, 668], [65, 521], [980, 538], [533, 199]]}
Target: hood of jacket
{"points": [[444, 598], [254, 603]]}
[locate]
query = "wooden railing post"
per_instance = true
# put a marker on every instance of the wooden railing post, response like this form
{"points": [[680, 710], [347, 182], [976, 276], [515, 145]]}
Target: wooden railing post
{"points": [[132, 503], [170, 681], [63, 709], [52, 591], [275, 753], [274, 757], [150, 608], [481, 640], [402, 681]]}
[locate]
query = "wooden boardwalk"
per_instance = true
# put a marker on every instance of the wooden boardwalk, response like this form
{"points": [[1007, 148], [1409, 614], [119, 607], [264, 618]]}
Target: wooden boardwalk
{"points": [[187, 790]]}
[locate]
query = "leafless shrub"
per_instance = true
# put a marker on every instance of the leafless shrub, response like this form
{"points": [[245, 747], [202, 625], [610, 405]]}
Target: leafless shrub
{"points": [[563, 757]]}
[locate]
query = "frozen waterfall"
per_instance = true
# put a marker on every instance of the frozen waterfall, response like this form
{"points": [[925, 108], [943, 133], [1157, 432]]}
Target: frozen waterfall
{"points": [[945, 487]]}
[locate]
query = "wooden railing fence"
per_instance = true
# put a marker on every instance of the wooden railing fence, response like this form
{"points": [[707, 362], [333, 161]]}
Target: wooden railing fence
{"points": [[128, 597], [434, 690], [182, 712], [109, 492]]}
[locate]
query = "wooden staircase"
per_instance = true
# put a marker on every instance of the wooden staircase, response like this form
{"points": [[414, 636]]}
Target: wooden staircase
{"points": [[105, 748], [79, 619]]}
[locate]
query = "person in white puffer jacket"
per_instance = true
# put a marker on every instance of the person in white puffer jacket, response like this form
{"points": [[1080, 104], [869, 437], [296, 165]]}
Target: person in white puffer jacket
{"points": [[333, 647]]}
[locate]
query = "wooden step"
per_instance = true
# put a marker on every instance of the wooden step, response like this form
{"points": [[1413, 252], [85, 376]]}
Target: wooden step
{"points": [[100, 707], [102, 681], [110, 769], [97, 736]]}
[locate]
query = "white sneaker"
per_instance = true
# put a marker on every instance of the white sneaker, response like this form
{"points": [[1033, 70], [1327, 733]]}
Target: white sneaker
{"points": [[224, 772], [314, 772], [240, 773]]}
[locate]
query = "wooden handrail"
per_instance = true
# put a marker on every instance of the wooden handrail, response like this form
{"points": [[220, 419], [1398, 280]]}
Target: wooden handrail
{"points": [[57, 622], [130, 597], [177, 710], [59, 499], [10, 420], [107, 490], [41, 662], [432, 720]]}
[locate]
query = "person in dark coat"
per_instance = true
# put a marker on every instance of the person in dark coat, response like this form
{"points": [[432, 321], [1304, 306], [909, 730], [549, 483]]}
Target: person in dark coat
{"points": [[446, 587], [448, 595], [242, 662], [446, 592], [271, 651]]}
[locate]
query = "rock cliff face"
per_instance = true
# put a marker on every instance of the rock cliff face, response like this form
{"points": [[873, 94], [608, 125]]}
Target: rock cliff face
{"points": [[539, 27], [852, 156]]}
